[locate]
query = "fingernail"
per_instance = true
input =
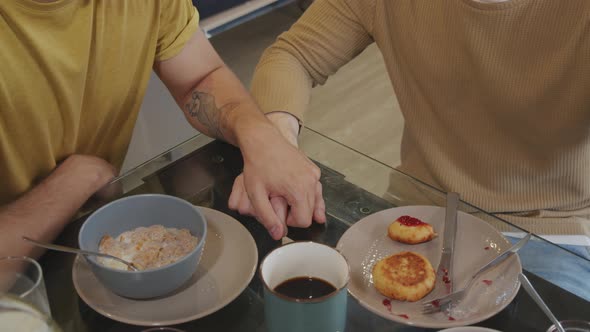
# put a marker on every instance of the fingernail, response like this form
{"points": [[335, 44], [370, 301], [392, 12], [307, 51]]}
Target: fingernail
{"points": [[276, 231]]}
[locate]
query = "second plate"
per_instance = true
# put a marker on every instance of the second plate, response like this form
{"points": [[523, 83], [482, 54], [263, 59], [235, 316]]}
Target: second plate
{"points": [[476, 243]]}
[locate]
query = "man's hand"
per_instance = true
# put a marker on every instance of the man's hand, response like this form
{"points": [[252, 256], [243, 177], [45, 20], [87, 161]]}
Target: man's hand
{"points": [[239, 201], [97, 173], [288, 126], [93, 171], [302, 190]]}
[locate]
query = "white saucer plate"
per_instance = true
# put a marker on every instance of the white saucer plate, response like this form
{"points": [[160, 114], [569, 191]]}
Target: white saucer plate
{"points": [[228, 264]]}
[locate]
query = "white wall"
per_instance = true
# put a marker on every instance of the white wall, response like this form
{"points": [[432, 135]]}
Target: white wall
{"points": [[160, 126]]}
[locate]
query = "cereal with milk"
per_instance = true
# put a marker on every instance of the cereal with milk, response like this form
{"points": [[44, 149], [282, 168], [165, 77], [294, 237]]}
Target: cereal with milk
{"points": [[147, 247]]}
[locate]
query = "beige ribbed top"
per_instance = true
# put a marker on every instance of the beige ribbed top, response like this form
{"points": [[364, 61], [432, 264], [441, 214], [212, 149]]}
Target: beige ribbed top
{"points": [[495, 96]]}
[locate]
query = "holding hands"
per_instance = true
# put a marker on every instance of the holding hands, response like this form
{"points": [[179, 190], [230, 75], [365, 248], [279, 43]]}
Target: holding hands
{"points": [[279, 186]]}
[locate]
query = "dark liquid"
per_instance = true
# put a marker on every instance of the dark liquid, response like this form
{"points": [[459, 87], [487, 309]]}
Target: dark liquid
{"points": [[305, 288]]}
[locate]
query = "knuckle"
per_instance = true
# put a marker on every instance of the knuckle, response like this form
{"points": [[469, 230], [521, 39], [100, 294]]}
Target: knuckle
{"points": [[317, 173]]}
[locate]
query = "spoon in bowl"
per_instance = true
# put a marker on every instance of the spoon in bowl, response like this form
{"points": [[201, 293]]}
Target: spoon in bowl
{"points": [[56, 247]]}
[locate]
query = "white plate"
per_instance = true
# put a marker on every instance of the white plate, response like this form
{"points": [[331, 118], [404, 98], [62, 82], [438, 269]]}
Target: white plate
{"points": [[476, 243], [468, 329], [226, 268]]}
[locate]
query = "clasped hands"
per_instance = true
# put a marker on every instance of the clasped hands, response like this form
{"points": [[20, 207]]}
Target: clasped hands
{"points": [[280, 186]]}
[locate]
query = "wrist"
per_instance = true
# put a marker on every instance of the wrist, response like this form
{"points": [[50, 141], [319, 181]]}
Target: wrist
{"points": [[252, 135], [87, 173], [249, 129], [287, 124]]}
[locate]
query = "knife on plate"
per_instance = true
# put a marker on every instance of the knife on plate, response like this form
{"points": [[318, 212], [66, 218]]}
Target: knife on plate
{"points": [[444, 274]]}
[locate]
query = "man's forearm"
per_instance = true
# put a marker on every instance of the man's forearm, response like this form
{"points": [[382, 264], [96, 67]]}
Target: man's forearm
{"points": [[42, 212], [212, 98], [220, 107]]}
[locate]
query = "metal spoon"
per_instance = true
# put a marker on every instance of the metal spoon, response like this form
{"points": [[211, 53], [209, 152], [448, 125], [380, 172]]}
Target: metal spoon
{"points": [[79, 251], [528, 287]]}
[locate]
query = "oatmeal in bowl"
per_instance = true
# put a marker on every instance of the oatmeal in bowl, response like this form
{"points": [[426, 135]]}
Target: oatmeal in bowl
{"points": [[163, 236], [147, 247]]}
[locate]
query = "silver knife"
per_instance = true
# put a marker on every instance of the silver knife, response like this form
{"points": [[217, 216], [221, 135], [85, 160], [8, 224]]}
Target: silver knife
{"points": [[444, 274]]}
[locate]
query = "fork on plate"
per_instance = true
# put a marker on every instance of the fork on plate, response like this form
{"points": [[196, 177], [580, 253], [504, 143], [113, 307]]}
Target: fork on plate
{"points": [[439, 304]]}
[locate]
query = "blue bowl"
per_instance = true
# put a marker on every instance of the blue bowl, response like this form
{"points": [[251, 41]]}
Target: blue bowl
{"points": [[136, 211]]}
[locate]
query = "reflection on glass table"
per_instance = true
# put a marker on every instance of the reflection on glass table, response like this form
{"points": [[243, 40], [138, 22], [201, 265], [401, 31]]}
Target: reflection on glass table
{"points": [[540, 256], [355, 187]]}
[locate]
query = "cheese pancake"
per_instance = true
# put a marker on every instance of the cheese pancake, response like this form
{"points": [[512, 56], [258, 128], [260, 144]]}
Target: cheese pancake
{"points": [[406, 276], [410, 230]]}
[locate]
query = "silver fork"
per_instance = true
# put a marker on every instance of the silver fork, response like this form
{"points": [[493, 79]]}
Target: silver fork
{"points": [[439, 304]]}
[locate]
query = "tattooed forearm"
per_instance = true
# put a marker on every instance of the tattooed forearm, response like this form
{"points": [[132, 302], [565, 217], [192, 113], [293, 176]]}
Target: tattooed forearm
{"points": [[202, 108]]}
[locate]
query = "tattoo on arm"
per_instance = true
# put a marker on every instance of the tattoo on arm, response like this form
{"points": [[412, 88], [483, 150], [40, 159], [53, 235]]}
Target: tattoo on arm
{"points": [[202, 107]]}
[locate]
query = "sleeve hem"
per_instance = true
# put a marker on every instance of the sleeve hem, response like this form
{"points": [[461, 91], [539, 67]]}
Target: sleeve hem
{"points": [[299, 120], [176, 47]]}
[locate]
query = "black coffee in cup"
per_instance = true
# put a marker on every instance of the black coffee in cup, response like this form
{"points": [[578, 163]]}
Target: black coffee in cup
{"points": [[305, 288]]}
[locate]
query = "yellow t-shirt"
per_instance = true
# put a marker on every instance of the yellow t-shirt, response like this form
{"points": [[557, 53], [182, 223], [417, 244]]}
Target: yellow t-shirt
{"points": [[74, 73]]}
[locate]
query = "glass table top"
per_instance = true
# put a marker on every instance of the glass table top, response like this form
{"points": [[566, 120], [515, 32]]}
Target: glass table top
{"points": [[202, 171]]}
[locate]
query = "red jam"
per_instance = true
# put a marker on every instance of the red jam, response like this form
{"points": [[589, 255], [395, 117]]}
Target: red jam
{"points": [[448, 287], [387, 304], [410, 221], [487, 282], [451, 318], [486, 248], [435, 303]]}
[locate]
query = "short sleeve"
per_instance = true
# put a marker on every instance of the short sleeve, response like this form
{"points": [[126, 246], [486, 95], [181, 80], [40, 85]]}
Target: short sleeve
{"points": [[179, 20]]}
